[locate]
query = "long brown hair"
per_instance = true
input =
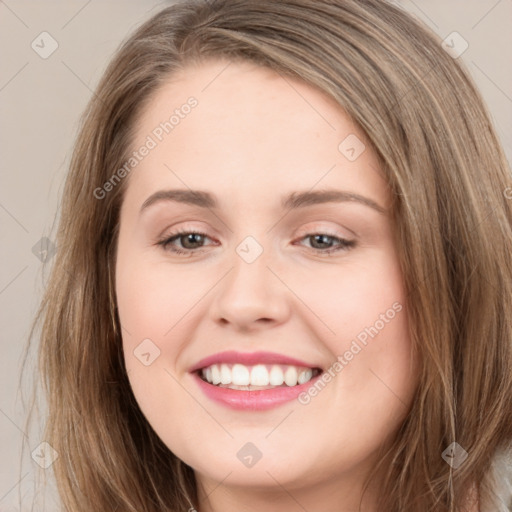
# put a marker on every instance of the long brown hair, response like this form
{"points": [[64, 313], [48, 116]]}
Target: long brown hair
{"points": [[448, 176]]}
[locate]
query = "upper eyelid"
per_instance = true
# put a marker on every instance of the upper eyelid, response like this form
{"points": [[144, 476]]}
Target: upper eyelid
{"points": [[308, 230]]}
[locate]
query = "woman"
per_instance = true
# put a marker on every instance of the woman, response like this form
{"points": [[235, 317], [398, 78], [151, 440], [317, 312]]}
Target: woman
{"points": [[261, 369]]}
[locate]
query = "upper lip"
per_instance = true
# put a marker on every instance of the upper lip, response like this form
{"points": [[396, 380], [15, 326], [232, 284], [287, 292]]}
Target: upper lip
{"points": [[249, 359]]}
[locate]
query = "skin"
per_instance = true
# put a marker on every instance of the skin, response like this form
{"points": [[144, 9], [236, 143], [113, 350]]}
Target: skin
{"points": [[253, 138]]}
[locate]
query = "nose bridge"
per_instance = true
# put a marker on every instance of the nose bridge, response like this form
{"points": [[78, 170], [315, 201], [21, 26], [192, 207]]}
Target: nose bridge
{"points": [[251, 276], [253, 246], [250, 291]]}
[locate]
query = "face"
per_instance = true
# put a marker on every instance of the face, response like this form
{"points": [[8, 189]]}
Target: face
{"points": [[287, 285]]}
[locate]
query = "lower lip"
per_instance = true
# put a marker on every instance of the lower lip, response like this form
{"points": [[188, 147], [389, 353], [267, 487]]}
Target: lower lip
{"points": [[258, 400]]}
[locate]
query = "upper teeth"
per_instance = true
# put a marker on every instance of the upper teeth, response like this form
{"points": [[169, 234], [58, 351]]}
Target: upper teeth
{"points": [[258, 375]]}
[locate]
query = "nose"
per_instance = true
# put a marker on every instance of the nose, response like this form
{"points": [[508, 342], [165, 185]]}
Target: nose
{"points": [[252, 295]]}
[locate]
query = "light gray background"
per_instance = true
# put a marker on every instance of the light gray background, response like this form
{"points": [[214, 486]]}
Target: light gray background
{"points": [[41, 101]]}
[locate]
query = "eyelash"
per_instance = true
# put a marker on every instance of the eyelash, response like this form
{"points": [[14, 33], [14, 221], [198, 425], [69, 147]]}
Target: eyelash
{"points": [[167, 240]]}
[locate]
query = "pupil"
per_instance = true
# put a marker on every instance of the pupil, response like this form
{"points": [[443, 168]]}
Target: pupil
{"points": [[322, 239], [190, 238]]}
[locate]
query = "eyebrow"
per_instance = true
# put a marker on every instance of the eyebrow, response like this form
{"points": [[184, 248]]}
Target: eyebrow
{"points": [[293, 201]]}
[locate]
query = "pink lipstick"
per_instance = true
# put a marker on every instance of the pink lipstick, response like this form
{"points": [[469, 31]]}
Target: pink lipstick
{"points": [[300, 375]]}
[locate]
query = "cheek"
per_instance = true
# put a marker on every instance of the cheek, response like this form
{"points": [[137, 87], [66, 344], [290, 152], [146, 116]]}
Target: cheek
{"points": [[364, 316], [152, 296], [152, 306], [350, 297], [160, 307]]}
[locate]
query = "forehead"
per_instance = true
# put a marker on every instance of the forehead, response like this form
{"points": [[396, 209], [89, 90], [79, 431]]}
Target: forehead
{"points": [[252, 131]]}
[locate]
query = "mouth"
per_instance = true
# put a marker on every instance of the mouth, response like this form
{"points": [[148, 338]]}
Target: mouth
{"points": [[256, 377], [254, 381]]}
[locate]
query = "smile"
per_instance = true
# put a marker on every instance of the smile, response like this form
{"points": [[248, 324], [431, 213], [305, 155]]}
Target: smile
{"points": [[253, 381]]}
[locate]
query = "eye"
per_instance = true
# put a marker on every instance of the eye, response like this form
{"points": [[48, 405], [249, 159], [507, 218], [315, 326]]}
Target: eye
{"points": [[192, 241], [323, 239], [190, 237]]}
